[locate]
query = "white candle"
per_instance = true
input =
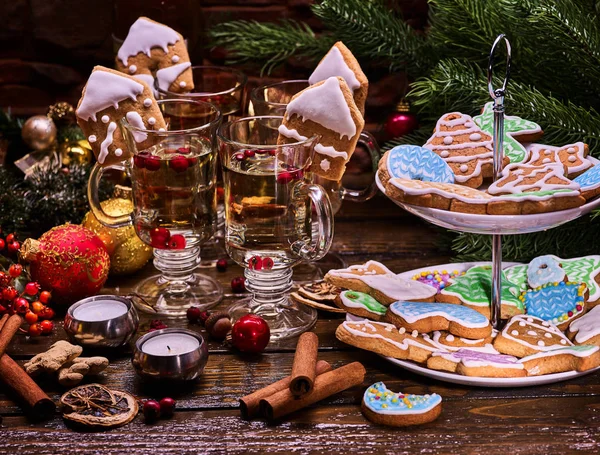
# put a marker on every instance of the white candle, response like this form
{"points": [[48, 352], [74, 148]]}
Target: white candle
{"points": [[99, 310], [169, 344]]}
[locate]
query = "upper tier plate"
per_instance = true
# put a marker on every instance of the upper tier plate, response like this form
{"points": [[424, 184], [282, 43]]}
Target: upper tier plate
{"points": [[495, 224]]}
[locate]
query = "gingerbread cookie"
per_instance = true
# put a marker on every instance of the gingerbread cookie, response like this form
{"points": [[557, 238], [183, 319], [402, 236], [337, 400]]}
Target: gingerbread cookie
{"points": [[474, 289], [544, 270], [586, 329], [414, 163], [579, 358], [572, 156], [516, 132], [589, 182], [319, 295], [384, 407], [379, 282], [524, 335], [385, 339], [339, 61], [559, 303], [152, 49], [465, 147], [426, 317], [447, 341], [360, 304], [476, 363], [108, 97], [326, 109]]}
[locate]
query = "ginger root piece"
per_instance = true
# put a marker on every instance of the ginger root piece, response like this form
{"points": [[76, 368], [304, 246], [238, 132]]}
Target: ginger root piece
{"points": [[73, 372], [50, 361]]}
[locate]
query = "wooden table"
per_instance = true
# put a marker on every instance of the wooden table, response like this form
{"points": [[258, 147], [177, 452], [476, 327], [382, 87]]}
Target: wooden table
{"points": [[559, 418]]}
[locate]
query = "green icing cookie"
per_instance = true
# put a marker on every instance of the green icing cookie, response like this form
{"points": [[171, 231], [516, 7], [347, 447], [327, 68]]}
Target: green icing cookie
{"points": [[512, 124], [475, 288], [537, 193], [354, 299]]}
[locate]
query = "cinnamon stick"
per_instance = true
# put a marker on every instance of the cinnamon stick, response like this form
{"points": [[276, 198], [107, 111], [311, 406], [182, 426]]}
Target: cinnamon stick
{"points": [[250, 404], [326, 384], [304, 366], [8, 328]]}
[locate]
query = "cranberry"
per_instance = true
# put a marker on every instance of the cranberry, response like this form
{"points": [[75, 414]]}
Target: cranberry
{"points": [[222, 265], [2, 244], [273, 152], [184, 150], [176, 242], [139, 160], [179, 164], [10, 238], [255, 263], [167, 406], [160, 237], [204, 315], [220, 193], [15, 270], [193, 314], [267, 263], [37, 307], [249, 153], [47, 327], [31, 317], [192, 161], [284, 177], [152, 163], [3, 309], [45, 297], [13, 248], [46, 313], [239, 156], [21, 305], [34, 330], [4, 279], [9, 293], [238, 284], [151, 410], [157, 324], [32, 288]]}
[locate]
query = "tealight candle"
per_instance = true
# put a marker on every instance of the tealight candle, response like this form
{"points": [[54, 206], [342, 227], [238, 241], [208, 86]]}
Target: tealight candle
{"points": [[99, 310], [170, 344]]}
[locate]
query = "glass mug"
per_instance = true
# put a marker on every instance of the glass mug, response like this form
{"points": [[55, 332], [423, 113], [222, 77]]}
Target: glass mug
{"points": [[174, 195], [269, 227]]}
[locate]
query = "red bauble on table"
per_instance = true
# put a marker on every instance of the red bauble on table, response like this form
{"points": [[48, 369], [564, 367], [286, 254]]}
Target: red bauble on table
{"points": [[250, 333], [70, 260], [401, 121]]}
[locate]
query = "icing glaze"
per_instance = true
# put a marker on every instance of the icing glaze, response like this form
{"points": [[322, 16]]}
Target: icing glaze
{"points": [[326, 105], [325, 164], [182, 84], [369, 329], [587, 326], [590, 179], [537, 324], [105, 89], [525, 172], [556, 302], [148, 79], [118, 152], [333, 64], [543, 270], [439, 279], [330, 151], [112, 126], [147, 102], [378, 398], [412, 312], [132, 69], [583, 350], [175, 58], [354, 299], [151, 121], [143, 36], [513, 127], [136, 120], [92, 138], [449, 338], [447, 190], [418, 163], [290, 133], [572, 155], [472, 358], [105, 119], [166, 76]]}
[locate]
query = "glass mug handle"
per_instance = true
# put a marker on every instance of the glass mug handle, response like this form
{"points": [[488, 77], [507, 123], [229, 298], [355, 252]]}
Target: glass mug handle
{"points": [[323, 227], [369, 142], [94, 199]]}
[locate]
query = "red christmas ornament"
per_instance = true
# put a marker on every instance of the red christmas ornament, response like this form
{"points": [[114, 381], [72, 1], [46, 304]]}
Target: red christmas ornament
{"points": [[250, 333], [401, 121], [70, 260]]}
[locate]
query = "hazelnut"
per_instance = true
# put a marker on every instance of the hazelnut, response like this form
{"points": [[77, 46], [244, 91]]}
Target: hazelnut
{"points": [[218, 325]]}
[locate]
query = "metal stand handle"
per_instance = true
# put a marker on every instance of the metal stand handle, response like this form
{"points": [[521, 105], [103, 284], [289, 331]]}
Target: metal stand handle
{"points": [[498, 144]]}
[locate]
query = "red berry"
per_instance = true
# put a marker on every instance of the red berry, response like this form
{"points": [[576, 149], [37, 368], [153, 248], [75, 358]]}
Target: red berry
{"points": [[47, 327], [152, 163], [167, 406], [255, 263], [37, 307], [272, 152], [157, 324], [267, 263], [15, 270], [220, 193], [13, 248], [249, 153], [2, 244], [184, 150], [238, 284], [32, 288], [21, 305], [179, 164], [203, 317], [3, 309], [45, 297], [193, 314], [151, 410], [139, 160], [222, 265], [9, 293], [192, 161], [176, 242], [10, 238], [284, 177], [160, 237], [4, 279], [34, 330], [46, 313], [239, 156], [250, 333], [31, 317]]}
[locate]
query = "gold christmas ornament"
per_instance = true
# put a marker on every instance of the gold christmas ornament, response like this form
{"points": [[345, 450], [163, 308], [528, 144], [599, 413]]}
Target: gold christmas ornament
{"points": [[62, 112], [127, 252], [75, 152], [39, 132]]}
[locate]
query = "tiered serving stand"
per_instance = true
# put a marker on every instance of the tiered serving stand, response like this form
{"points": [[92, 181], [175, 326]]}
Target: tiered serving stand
{"points": [[496, 226]]}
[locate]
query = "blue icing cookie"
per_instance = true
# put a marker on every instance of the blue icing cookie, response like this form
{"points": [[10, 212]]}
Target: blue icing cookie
{"points": [[413, 311], [378, 398], [555, 302], [589, 179], [418, 163], [543, 270]]}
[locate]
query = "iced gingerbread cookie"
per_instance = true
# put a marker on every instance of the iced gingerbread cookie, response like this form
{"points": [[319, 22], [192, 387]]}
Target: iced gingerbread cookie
{"points": [[447, 341], [318, 295], [108, 97], [516, 132], [425, 317], [474, 289], [360, 304], [586, 329], [384, 407], [439, 279], [326, 109], [544, 270], [379, 282], [589, 182], [414, 163], [443, 196], [559, 303], [579, 358], [386, 339], [476, 363], [339, 61], [152, 49], [465, 147], [572, 156], [524, 335]]}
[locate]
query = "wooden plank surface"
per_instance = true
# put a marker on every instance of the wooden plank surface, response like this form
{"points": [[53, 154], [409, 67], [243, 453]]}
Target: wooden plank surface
{"points": [[556, 418]]}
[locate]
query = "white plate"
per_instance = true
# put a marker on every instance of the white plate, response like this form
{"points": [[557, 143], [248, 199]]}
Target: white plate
{"points": [[495, 224]]}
